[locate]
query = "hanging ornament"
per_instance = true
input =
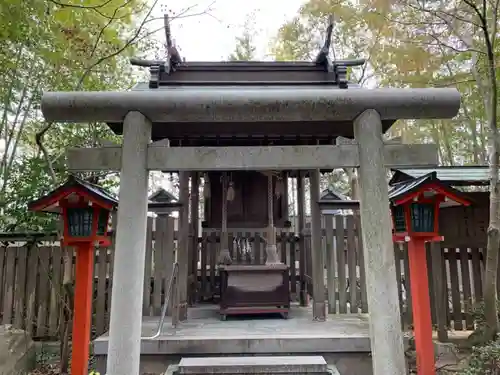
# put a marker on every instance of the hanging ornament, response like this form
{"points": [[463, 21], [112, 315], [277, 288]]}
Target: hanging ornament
{"points": [[279, 189], [109, 227], [206, 187], [230, 192]]}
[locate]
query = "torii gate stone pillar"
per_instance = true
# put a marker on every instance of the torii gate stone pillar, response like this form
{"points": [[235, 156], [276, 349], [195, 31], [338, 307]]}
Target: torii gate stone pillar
{"points": [[380, 266], [127, 290]]}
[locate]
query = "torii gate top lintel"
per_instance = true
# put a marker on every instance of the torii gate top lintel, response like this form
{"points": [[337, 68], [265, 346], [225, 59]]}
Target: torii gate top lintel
{"points": [[250, 110]]}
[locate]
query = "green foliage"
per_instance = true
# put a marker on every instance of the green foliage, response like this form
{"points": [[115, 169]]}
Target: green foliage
{"points": [[245, 49], [485, 357], [56, 45], [28, 180], [484, 360], [407, 45]]}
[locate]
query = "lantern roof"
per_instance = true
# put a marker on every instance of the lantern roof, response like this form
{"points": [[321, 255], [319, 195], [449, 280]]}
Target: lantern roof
{"points": [[457, 175], [73, 186], [427, 185]]}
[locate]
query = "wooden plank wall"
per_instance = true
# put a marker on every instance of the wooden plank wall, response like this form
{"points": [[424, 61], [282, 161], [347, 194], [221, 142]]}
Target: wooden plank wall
{"points": [[31, 275]]}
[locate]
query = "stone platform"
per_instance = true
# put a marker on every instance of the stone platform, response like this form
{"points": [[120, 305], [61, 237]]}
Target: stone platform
{"points": [[343, 340], [270, 365]]}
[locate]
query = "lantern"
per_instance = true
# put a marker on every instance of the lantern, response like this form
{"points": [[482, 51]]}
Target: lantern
{"points": [[86, 213], [415, 209], [419, 218], [85, 221]]}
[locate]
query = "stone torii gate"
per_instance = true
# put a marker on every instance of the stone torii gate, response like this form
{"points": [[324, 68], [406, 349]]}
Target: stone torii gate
{"points": [[144, 112]]}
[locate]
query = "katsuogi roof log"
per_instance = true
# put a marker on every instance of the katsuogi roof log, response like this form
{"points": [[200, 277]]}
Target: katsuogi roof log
{"points": [[256, 104]]}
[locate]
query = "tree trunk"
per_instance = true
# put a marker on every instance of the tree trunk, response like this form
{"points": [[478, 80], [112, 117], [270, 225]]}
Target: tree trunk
{"points": [[491, 269], [446, 142], [436, 137]]}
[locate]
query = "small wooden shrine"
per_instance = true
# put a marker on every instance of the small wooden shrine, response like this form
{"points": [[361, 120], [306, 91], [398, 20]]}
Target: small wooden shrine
{"points": [[247, 198], [163, 196]]}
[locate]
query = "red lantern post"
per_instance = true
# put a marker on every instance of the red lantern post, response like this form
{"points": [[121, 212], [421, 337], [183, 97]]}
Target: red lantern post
{"points": [[415, 209], [85, 209]]}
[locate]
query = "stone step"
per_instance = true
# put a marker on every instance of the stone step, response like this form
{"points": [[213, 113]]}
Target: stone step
{"points": [[268, 365]]}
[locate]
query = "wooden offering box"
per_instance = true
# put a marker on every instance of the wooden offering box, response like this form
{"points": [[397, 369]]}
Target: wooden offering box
{"points": [[254, 289]]}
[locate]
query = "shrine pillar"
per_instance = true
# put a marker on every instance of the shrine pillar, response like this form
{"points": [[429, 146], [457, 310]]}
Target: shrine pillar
{"points": [[302, 243], [130, 246], [318, 277], [380, 267], [183, 245], [194, 234], [272, 256]]}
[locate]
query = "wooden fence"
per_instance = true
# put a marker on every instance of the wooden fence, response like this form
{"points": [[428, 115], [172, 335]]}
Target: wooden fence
{"points": [[31, 275]]}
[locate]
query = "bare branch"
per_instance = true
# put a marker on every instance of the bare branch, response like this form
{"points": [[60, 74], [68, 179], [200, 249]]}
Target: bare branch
{"points": [[136, 37], [374, 46], [454, 83], [101, 32], [40, 135], [438, 42], [39, 141], [127, 44], [441, 14], [445, 17], [79, 6], [407, 23], [10, 90], [476, 9]]}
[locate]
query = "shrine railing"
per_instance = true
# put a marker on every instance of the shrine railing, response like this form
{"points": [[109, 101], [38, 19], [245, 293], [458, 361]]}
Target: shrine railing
{"points": [[171, 302]]}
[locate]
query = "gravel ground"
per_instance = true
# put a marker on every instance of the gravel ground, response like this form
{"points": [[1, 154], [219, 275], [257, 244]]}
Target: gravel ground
{"points": [[46, 369]]}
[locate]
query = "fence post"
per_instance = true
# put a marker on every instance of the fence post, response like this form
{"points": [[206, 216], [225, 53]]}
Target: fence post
{"points": [[438, 283]]}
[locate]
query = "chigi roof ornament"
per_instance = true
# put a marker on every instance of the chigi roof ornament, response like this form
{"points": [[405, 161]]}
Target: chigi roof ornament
{"points": [[157, 67], [175, 71], [338, 67]]}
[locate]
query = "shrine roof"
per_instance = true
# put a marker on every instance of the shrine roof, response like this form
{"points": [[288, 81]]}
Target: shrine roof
{"points": [[332, 202], [162, 195], [332, 195], [248, 73], [451, 175], [231, 87]]}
